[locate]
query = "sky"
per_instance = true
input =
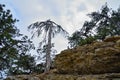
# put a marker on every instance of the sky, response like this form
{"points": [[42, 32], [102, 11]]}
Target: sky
{"points": [[70, 14]]}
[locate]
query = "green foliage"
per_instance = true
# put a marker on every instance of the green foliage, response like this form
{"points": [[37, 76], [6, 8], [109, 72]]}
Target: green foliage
{"points": [[107, 22], [24, 65], [13, 45], [87, 40], [74, 39], [103, 23], [77, 39], [8, 32], [39, 68]]}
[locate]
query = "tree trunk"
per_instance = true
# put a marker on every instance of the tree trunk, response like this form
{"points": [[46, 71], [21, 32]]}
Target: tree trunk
{"points": [[48, 51]]}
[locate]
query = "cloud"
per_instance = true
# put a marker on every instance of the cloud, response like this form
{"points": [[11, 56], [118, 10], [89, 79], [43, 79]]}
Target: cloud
{"points": [[73, 12], [70, 14], [82, 7]]}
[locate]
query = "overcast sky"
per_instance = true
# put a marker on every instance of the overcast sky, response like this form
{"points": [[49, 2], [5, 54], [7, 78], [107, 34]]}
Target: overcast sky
{"points": [[70, 14]]}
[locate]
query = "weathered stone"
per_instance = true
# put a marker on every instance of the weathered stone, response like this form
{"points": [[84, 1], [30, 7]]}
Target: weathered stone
{"points": [[94, 58], [112, 39], [106, 76], [23, 77], [95, 61]]}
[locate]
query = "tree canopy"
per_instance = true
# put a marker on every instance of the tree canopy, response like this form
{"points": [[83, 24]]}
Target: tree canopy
{"points": [[49, 29], [12, 43], [102, 24]]}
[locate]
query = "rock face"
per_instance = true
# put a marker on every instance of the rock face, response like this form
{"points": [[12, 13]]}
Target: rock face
{"points": [[95, 61], [95, 58], [110, 76], [23, 77]]}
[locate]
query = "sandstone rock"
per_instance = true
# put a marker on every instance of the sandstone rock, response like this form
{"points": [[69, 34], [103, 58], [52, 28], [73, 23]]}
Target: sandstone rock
{"points": [[95, 61], [94, 58], [106, 76], [112, 39], [23, 77]]}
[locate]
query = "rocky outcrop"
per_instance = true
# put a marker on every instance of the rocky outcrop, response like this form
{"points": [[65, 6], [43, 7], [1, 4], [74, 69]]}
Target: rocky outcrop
{"points": [[106, 76], [23, 77], [96, 58], [96, 61]]}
